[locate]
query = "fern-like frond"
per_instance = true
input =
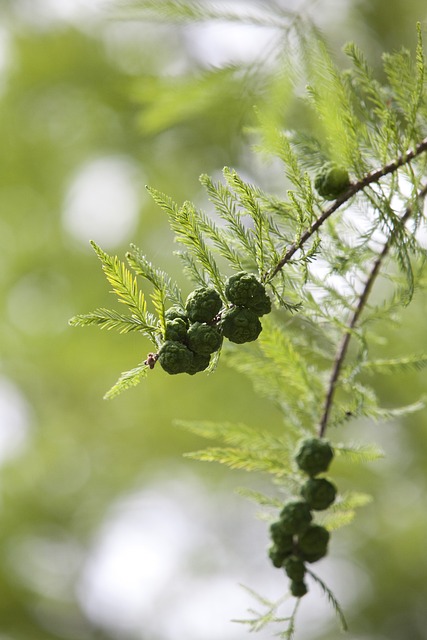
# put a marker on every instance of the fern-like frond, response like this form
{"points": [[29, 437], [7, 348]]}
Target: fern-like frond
{"points": [[110, 319], [270, 615], [343, 512], [333, 105], [266, 460], [381, 414], [393, 366], [226, 206], [185, 223], [359, 453], [238, 435], [406, 79], [158, 278], [126, 288], [332, 599], [259, 498], [127, 380], [251, 206]]}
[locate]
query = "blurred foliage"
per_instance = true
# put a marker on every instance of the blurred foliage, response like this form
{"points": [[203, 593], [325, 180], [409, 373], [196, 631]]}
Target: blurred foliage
{"points": [[94, 87]]}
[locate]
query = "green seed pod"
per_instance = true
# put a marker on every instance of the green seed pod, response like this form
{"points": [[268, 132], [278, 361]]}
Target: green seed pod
{"points": [[174, 357], [282, 539], [203, 304], [175, 312], [199, 362], [204, 338], [295, 517], [176, 330], [245, 290], [298, 588], [277, 556], [314, 456], [313, 543], [240, 325], [331, 181], [319, 493], [295, 568]]}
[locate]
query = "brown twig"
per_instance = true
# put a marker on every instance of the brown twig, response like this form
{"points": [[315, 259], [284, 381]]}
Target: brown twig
{"points": [[355, 187], [343, 346]]}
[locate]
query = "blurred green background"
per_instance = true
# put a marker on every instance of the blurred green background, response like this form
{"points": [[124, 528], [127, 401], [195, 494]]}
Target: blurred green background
{"points": [[105, 531]]}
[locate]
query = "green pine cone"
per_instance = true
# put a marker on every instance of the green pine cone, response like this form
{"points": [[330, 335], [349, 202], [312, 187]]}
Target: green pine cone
{"points": [[331, 181], [204, 338], [175, 312], [295, 517], [199, 362], [176, 330], [295, 568], [245, 290], [313, 543], [298, 588], [240, 325], [277, 556], [282, 539], [319, 493], [174, 357], [314, 456], [203, 304]]}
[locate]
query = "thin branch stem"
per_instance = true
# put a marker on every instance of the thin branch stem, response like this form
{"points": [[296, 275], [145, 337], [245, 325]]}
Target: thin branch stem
{"points": [[343, 345], [373, 176]]}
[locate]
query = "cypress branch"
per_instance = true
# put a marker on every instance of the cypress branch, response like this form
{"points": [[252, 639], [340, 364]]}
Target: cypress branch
{"points": [[343, 346], [356, 187]]}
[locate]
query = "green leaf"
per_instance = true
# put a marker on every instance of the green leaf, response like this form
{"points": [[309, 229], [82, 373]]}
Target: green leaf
{"points": [[394, 366], [187, 226], [159, 279], [259, 497], [110, 319], [127, 380], [359, 453], [248, 201], [126, 288], [332, 599], [269, 461]]}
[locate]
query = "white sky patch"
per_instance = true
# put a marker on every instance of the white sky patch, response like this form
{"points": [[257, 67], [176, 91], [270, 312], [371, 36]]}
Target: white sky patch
{"points": [[220, 43], [103, 201], [14, 420]]}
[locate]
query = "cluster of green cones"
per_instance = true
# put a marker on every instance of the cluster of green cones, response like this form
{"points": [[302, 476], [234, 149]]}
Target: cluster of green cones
{"points": [[194, 332], [296, 540]]}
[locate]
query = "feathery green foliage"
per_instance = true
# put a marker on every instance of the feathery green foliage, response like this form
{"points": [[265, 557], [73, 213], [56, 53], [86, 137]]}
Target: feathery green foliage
{"points": [[319, 260]]}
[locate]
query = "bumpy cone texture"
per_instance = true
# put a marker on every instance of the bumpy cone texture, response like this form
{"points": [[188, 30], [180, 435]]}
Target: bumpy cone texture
{"points": [[314, 456], [198, 363], [295, 568], [295, 517], [298, 588], [319, 493], [240, 325], [281, 537], [174, 357], [204, 338], [313, 543], [278, 556], [331, 181], [245, 290], [176, 330], [175, 312], [203, 304]]}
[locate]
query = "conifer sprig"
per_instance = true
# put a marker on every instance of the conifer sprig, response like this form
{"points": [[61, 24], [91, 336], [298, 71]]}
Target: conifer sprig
{"points": [[343, 346], [353, 189], [308, 261]]}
